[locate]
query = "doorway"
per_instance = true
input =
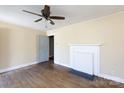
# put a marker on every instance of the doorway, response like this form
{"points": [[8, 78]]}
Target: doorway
{"points": [[51, 48]]}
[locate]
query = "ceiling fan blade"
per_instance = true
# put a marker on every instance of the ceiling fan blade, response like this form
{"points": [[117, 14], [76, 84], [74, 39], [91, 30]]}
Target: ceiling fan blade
{"points": [[38, 20], [32, 13], [51, 22], [57, 17]]}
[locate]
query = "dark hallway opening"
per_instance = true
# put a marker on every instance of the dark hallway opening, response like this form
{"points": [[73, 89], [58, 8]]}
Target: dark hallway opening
{"points": [[51, 47]]}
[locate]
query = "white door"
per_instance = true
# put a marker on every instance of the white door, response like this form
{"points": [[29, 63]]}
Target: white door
{"points": [[85, 59], [42, 48]]}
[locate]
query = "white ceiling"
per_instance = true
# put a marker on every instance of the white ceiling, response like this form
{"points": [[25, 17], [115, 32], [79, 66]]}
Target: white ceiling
{"points": [[73, 14]]}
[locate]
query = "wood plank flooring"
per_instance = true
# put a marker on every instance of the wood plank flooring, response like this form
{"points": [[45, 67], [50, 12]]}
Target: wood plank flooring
{"points": [[49, 75]]}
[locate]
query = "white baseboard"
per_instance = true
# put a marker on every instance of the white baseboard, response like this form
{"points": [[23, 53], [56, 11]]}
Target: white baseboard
{"points": [[58, 63], [117, 79], [17, 67], [109, 77], [114, 78]]}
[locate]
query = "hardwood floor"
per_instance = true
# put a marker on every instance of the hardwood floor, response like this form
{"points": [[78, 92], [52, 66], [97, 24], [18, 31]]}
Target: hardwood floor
{"points": [[49, 75]]}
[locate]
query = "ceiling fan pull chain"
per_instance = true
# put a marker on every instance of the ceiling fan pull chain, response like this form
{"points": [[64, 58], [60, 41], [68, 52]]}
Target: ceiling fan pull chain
{"points": [[46, 24]]}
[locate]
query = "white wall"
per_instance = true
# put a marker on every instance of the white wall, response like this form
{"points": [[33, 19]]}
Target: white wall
{"points": [[108, 31]]}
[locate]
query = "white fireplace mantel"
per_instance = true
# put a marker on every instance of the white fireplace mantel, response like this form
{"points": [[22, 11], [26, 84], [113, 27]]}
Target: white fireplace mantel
{"points": [[85, 58], [85, 44]]}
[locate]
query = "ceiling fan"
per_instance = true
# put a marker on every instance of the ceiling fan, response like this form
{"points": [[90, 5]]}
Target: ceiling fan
{"points": [[45, 13]]}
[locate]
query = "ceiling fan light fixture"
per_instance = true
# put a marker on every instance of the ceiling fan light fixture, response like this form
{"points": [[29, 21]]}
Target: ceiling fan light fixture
{"points": [[45, 14]]}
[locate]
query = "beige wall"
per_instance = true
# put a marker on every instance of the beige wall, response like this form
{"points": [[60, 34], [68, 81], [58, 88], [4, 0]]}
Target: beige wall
{"points": [[108, 31], [18, 45]]}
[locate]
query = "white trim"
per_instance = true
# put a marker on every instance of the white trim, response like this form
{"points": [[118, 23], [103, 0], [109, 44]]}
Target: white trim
{"points": [[96, 64], [17, 67], [65, 65], [109, 77], [85, 44], [114, 78]]}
